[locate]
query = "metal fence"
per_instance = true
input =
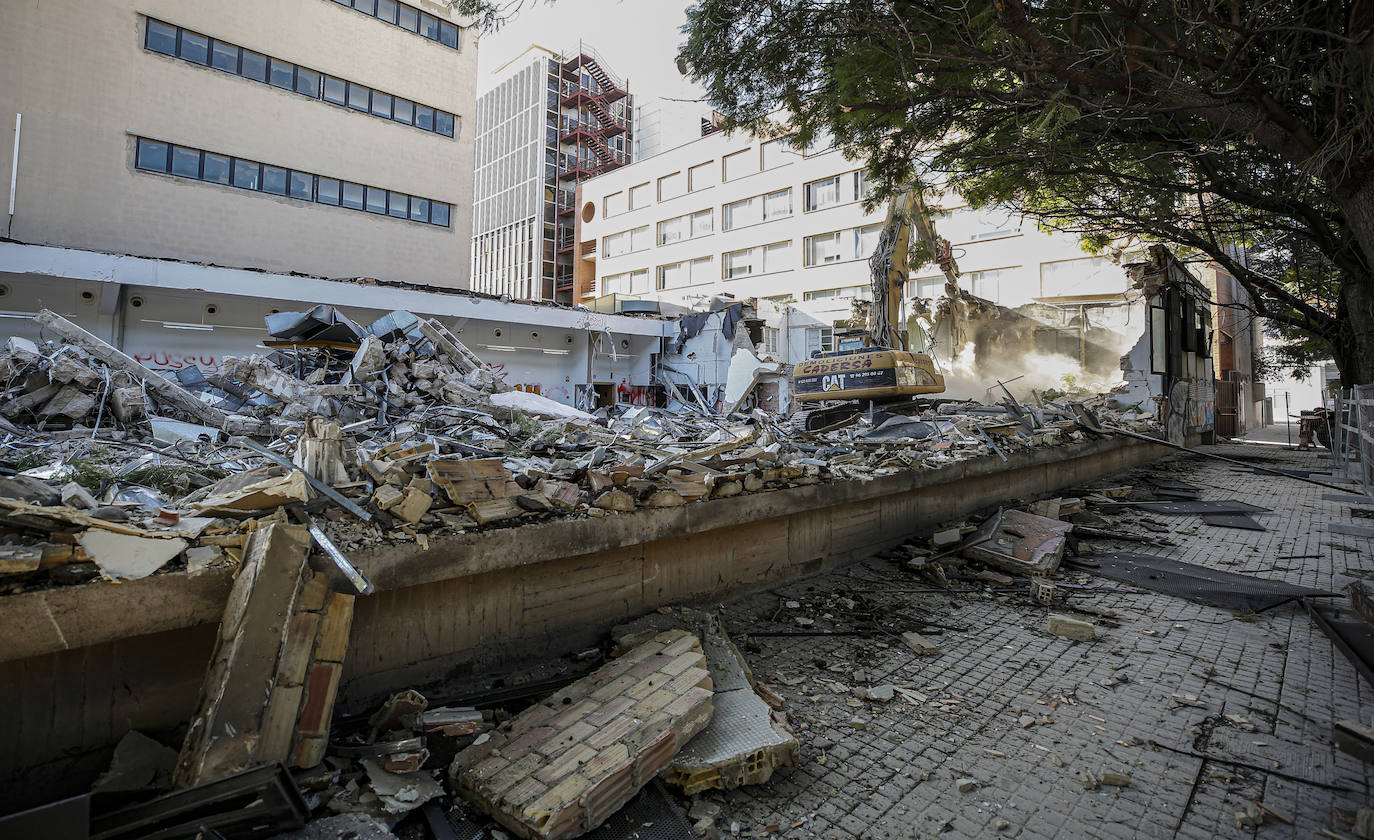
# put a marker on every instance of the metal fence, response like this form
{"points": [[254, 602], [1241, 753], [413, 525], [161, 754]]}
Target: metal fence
{"points": [[1352, 438]]}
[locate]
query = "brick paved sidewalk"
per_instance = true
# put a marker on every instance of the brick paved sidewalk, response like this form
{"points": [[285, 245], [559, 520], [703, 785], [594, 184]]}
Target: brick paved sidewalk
{"points": [[1024, 713]]}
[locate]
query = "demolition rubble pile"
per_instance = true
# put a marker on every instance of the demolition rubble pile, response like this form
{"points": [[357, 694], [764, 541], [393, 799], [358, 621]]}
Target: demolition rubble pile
{"points": [[392, 432]]}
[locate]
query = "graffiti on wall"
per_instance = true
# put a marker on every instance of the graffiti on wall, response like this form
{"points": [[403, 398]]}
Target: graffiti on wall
{"points": [[627, 394], [160, 360]]}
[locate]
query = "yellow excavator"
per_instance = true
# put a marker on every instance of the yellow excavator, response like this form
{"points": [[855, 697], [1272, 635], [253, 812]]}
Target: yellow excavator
{"points": [[883, 370]]}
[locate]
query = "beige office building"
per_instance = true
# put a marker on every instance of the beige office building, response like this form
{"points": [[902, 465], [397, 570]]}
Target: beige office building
{"points": [[314, 136]]}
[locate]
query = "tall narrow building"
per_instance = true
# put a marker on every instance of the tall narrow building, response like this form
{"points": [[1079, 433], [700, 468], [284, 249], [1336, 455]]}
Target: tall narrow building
{"points": [[552, 121]]}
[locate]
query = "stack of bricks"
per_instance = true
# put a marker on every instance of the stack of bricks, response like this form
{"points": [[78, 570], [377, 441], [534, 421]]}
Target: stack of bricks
{"points": [[562, 767], [282, 639]]}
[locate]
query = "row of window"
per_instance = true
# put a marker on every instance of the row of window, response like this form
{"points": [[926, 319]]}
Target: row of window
{"points": [[410, 19], [769, 155], [823, 248], [819, 195], [222, 55], [200, 165]]}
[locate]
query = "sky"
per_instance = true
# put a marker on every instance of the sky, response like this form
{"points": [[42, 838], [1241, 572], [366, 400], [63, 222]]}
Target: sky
{"points": [[637, 38]]}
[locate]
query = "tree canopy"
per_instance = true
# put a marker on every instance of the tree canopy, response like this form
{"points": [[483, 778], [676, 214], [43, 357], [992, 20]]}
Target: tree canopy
{"points": [[1238, 130]]}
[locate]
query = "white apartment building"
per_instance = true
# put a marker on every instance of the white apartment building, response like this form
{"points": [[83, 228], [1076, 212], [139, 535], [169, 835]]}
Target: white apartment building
{"points": [[736, 215], [327, 137]]}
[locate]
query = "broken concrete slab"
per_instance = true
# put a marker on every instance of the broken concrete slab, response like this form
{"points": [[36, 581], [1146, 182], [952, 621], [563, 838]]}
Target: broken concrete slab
{"points": [[127, 557], [265, 493], [226, 732], [1074, 629], [350, 826], [561, 767], [920, 644], [139, 764], [1019, 542]]}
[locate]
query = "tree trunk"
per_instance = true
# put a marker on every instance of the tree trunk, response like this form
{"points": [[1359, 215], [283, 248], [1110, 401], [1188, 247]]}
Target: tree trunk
{"points": [[1357, 291]]}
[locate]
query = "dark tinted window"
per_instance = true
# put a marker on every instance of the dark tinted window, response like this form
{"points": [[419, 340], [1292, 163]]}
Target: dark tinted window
{"points": [[424, 117], [397, 205], [357, 96], [152, 156], [327, 190], [283, 74], [274, 180], [443, 123], [301, 186], [419, 209], [448, 34], [246, 174], [353, 195], [225, 57], [376, 200], [429, 27], [381, 104], [161, 38], [438, 213], [386, 10], [195, 47], [216, 169], [185, 162], [254, 66], [335, 90], [405, 111], [307, 82], [409, 19], [368, 7]]}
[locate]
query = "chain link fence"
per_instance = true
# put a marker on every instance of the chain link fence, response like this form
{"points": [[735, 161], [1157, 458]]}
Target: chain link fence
{"points": [[1352, 438]]}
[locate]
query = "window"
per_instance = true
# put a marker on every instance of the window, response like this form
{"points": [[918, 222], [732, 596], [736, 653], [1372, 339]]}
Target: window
{"points": [[640, 196], [353, 196], [185, 162], [866, 241], [253, 66], [639, 238], [685, 273], [988, 284], [161, 38], [820, 340], [777, 153], [151, 156], [701, 176], [614, 204], [626, 283], [281, 74], [684, 227], [740, 164], [358, 97], [738, 214], [777, 205], [771, 337], [864, 292], [928, 287], [215, 168], [739, 263], [672, 186], [824, 248], [335, 90], [300, 186], [247, 174], [200, 165], [410, 18], [307, 82], [822, 142], [224, 57], [757, 260], [616, 244], [1082, 276], [823, 193], [837, 190], [196, 48]]}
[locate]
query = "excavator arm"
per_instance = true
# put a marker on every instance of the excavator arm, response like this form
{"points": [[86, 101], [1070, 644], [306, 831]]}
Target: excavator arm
{"points": [[907, 215]]}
